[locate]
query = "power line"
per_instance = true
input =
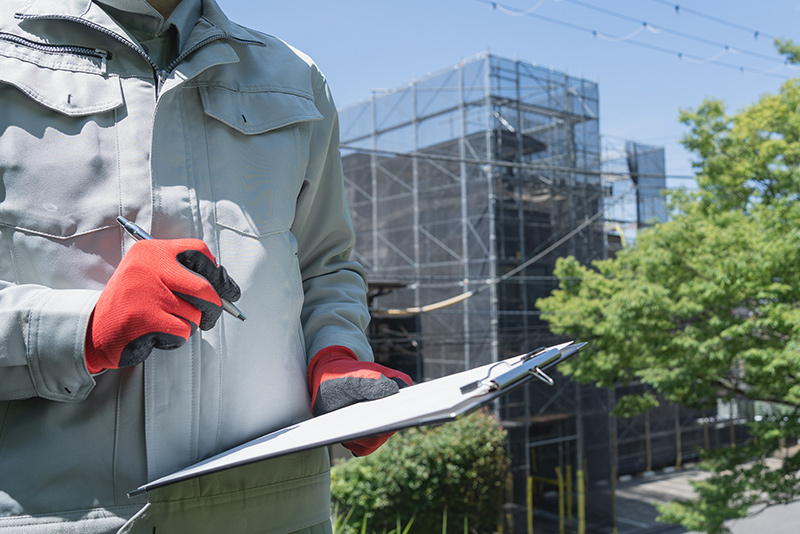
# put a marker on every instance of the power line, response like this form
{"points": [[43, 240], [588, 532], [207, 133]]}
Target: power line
{"points": [[684, 35], [713, 59], [756, 33]]}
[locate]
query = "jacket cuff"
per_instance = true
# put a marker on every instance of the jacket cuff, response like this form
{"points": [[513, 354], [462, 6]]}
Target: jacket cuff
{"points": [[56, 333]]}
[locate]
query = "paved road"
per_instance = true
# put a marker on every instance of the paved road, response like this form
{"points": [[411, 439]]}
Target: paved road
{"points": [[636, 513], [774, 520]]}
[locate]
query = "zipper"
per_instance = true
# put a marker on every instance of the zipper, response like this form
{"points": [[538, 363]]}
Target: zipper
{"points": [[97, 27], [102, 55], [156, 71], [159, 75]]}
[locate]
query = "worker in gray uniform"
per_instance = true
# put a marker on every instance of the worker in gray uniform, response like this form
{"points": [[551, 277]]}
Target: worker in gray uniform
{"points": [[117, 363]]}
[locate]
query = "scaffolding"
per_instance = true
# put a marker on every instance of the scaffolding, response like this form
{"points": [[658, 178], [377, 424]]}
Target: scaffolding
{"points": [[457, 178], [490, 168]]}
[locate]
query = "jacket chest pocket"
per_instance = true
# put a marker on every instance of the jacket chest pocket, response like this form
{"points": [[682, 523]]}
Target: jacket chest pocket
{"points": [[258, 149], [58, 149]]}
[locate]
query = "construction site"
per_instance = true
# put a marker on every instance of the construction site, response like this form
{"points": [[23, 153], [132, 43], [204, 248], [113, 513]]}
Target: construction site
{"points": [[465, 186]]}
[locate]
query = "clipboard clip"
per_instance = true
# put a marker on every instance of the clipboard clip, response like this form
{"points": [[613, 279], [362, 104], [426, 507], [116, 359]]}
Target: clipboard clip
{"points": [[531, 364], [541, 375]]}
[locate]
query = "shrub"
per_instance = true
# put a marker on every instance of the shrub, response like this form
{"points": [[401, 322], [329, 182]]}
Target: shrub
{"points": [[459, 468]]}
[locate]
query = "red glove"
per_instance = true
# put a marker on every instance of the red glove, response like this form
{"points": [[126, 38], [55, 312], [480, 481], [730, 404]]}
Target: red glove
{"points": [[336, 378], [158, 296]]}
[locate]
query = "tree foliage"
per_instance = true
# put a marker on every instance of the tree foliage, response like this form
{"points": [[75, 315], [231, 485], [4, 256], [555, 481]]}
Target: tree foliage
{"points": [[460, 467], [707, 305]]}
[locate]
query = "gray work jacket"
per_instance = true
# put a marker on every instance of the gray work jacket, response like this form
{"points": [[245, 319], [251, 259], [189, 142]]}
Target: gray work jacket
{"points": [[236, 144]]}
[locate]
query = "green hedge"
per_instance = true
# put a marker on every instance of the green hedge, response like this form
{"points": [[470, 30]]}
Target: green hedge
{"points": [[460, 467]]}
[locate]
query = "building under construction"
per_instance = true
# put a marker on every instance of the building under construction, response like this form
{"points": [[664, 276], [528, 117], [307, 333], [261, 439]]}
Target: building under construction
{"points": [[465, 186]]}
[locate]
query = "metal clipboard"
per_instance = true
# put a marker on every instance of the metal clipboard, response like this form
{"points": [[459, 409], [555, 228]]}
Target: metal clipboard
{"points": [[427, 403]]}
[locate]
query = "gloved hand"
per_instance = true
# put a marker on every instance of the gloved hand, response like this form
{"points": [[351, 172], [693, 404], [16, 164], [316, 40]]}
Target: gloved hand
{"points": [[336, 378], [160, 293]]}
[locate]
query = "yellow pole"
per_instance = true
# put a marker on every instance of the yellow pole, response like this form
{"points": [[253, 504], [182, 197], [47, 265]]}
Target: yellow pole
{"points": [[530, 505], [581, 502], [569, 492], [560, 501]]}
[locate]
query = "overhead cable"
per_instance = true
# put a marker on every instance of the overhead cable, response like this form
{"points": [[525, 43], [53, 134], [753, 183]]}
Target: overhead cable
{"points": [[678, 8], [675, 53], [621, 38], [513, 13], [684, 35]]}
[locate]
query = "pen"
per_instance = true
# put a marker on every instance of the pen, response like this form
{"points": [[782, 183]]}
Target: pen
{"points": [[138, 234]]}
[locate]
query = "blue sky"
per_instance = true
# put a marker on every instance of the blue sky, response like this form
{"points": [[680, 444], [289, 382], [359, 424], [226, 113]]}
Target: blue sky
{"points": [[633, 53]]}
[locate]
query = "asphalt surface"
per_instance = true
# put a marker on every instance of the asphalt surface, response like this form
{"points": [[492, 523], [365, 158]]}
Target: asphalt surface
{"points": [[636, 512]]}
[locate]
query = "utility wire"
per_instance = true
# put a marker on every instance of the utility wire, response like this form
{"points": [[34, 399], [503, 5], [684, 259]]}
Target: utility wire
{"points": [[680, 55], [521, 13], [676, 32], [678, 8]]}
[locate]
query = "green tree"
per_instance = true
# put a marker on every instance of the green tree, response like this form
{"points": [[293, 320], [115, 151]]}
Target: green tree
{"points": [[707, 305]]}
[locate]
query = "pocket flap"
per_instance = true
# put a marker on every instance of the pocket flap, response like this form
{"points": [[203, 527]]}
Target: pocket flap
{"points": [[70, 93], [257, 112]]}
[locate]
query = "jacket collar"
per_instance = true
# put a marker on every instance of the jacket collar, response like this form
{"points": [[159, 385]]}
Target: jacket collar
{"points": [[52, 8], [207, 39], [90, 12], [213, 13], [75, 10], [84, 11]]}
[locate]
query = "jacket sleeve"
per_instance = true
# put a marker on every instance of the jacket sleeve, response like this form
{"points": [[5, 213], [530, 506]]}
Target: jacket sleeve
{"points": [[335, 308], [42, 333]]}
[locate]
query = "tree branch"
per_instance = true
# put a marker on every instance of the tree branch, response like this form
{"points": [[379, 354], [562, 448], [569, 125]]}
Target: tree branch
{"points": [[742, 393]]}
